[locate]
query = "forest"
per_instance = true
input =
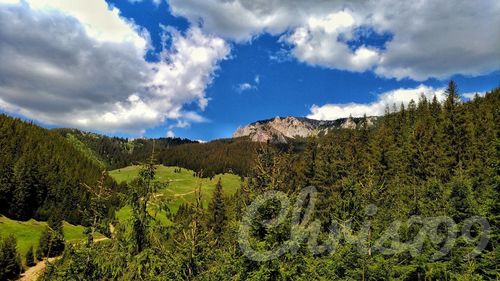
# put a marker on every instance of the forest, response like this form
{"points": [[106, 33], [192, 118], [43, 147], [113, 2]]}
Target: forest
{"points": [[42, 173], [414, 197], [215, 157]]}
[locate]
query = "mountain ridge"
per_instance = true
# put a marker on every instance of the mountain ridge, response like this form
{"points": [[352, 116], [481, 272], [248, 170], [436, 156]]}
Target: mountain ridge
{"points": [[281, 129]]}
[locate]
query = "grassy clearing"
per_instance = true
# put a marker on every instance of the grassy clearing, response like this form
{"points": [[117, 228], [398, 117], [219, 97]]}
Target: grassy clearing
{"points": [[28, 233], [179, 189]]}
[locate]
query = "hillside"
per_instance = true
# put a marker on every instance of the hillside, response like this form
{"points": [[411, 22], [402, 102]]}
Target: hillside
{"points": [[179, 187], [214, 157], [28, 233], [42, 173], [114, 152]]}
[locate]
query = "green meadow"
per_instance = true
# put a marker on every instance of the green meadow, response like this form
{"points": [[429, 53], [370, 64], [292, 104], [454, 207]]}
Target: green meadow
{"points": [[178, 187], [28, 233]]}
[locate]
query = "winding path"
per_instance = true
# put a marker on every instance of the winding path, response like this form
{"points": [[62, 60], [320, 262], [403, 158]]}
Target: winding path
{"points": [[34, 272]]}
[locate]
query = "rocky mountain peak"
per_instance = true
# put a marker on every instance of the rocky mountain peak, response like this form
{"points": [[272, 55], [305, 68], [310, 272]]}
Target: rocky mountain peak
{"points": [[281, 129]]}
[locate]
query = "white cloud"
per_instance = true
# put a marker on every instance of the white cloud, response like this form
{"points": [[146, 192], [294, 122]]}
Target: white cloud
{"points": [[376, 108], [170, 134], [100, 21], [317, 43], [472, 95], [244, 87], [62, 64], [156, 2], [430, 38], [247, 86]]}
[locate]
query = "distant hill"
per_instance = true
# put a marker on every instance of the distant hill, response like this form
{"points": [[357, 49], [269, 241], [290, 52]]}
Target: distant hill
{"points": [[215, 157], [115, 152]]}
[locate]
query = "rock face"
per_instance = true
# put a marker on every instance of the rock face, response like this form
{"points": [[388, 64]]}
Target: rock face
{"points": [[281, 129]]}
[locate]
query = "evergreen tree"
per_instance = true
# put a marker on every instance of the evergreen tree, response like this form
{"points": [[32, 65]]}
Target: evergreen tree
{"points": [[454, 128], [217, 211], [27, 186], [30, 257], [10, 261], [143, 189], [51, 243]]}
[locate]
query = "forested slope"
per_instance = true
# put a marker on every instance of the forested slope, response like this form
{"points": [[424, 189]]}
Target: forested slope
{"points": [[115, 152], [42, 173], [215, 157]]}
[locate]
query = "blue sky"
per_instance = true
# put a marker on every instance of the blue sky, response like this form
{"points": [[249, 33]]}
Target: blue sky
{"points": [[203, 68]]}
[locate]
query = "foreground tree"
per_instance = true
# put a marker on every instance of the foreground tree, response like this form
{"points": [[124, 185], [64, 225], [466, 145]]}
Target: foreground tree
{"points": [[51, 243], [217, 211], [30, 257], [10, 261]]}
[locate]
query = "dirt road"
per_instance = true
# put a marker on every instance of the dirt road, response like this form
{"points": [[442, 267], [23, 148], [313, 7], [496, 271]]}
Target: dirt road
{"points": [[34, 272]]}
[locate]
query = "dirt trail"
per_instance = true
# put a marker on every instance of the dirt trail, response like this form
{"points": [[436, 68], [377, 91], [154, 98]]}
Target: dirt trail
{"points": [[34, 272], [183, 194]]}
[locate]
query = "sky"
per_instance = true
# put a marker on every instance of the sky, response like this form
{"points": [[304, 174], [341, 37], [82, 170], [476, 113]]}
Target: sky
{"points": [[199, 69]]}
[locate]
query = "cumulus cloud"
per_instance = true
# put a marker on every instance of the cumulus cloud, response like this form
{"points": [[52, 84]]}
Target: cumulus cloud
{"points": [[378, 107], [429, 38], [81, 64], [317, 43]]}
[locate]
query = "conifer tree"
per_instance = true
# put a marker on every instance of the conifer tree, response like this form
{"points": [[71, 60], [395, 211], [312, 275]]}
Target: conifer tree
{"points": [[30, 257], [27, 185], [100, 193], [217, 211], [143, 189], [10, 261], [51, 243]]}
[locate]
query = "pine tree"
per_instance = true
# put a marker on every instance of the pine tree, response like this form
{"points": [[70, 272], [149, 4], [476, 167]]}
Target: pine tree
{"points": [[28, 184], [193, 242], [30, 257], [10, 261], [100, 193], [51, 243], [6, 183], [143, 189], [217, 211], [454, 130]]}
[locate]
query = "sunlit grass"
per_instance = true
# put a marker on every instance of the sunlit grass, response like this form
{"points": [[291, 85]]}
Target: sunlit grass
{"points": [[28, 233], [178, 187]]}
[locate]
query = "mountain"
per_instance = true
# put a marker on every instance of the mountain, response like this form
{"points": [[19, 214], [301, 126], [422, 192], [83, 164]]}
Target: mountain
{"points": [[282, 129]]}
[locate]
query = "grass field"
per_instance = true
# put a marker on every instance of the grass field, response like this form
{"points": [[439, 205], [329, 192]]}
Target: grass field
{"points": [[179, 187], [28, 233]]}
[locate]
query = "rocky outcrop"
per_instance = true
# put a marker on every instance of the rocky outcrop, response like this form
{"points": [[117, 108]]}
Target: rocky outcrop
{"points": [[281, 129]]}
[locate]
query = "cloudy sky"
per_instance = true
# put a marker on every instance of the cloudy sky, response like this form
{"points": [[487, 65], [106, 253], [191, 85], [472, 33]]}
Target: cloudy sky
{"points": [[201, 68]]}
